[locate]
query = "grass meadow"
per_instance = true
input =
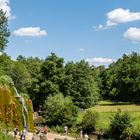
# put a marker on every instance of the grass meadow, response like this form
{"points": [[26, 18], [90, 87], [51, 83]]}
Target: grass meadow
{"points": [[106, 109]]}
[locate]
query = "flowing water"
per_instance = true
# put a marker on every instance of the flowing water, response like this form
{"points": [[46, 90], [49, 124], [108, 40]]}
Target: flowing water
{"points": [[24, 108]]}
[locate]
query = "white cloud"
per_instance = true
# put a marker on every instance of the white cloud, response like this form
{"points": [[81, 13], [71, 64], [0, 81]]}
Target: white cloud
{"points": [[118, 16], [133, 34], [4, 5], [30, 31], [99, 61], [121, 16]]}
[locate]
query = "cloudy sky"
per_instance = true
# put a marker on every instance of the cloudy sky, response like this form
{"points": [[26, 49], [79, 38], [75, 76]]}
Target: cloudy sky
{"points": [[99, 31]]}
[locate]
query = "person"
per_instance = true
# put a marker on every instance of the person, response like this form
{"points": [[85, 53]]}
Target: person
{"points": [[23, 134], [38, 131], [81, 134], [99, 135], [46, 132], [65, 130], [86, 136], [15, 131]]}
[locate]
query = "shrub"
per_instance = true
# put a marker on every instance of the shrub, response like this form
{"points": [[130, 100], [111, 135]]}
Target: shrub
{"points": [[4, 136], [131, 133], [58, 129], [119, 123], [60, 110], [6, 80], [89, 121]]}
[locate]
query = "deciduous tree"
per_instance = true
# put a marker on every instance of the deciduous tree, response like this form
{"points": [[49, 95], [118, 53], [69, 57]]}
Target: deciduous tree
{"points": [[4, 32]]}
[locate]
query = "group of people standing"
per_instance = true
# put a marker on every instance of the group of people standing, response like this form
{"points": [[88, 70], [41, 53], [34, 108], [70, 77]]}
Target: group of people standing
{"points": [[42, 132], [86, 137], [22, 134], [36, 136]]}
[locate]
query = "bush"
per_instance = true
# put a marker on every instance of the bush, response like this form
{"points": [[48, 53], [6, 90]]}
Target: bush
{"points": [[5, 136], [119, 123], [89, 121], [60, 110], [58, 129], [131, 133], [6, 80]]}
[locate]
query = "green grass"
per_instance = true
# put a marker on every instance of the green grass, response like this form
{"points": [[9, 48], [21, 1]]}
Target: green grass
{"points": [[114, 108], [106, 109], [5, 137], [105, 103]]}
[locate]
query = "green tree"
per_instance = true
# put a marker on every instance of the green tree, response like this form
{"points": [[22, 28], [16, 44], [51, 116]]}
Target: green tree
{"points": [[60, 110], [20, 76], [84, 84], [89, 121], [51, 73], [33, 66], [4, 32], [121, 81], [5, 64], [53, 68], [120, 122], [6, 80]]}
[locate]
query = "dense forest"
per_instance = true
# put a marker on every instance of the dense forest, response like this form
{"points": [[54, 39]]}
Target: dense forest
{"points": [[85, 84]]}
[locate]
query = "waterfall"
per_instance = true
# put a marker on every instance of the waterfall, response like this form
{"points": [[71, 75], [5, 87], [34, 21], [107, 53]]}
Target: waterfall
{"points": [[17, 94], [24, 108]]}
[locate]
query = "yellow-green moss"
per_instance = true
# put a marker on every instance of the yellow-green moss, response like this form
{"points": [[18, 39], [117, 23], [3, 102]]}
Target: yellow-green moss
{"points": [[30, 113], [11, 109]]}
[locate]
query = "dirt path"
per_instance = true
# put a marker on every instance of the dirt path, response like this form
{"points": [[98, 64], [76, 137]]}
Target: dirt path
{"points": [[51, 136]]}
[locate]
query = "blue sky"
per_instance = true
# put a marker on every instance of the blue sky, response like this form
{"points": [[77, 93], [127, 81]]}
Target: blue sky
{"points": [[98, 31]]}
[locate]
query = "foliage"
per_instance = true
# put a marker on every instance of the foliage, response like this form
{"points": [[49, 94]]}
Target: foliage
{"points": [[120, 122], [108, 109], [121, 81], [58, 129], [10, 108], [89, 121], [83, 86], [52, 67], [29, 106], [4, 32], [20, 76], [4, 136], [79, 80], [51, 77], [131, 133], [59, 110], [33, 66], [6, 80], [5, 64], [47, 80]]}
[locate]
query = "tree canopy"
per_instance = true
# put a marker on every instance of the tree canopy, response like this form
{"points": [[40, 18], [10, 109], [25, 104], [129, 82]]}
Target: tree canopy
{"points": [[4, 32], [60, 110], [121, 81]]}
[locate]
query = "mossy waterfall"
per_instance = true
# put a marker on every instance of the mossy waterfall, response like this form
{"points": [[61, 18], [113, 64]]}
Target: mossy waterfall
{"points": [[15, 110], [24, 108]]}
